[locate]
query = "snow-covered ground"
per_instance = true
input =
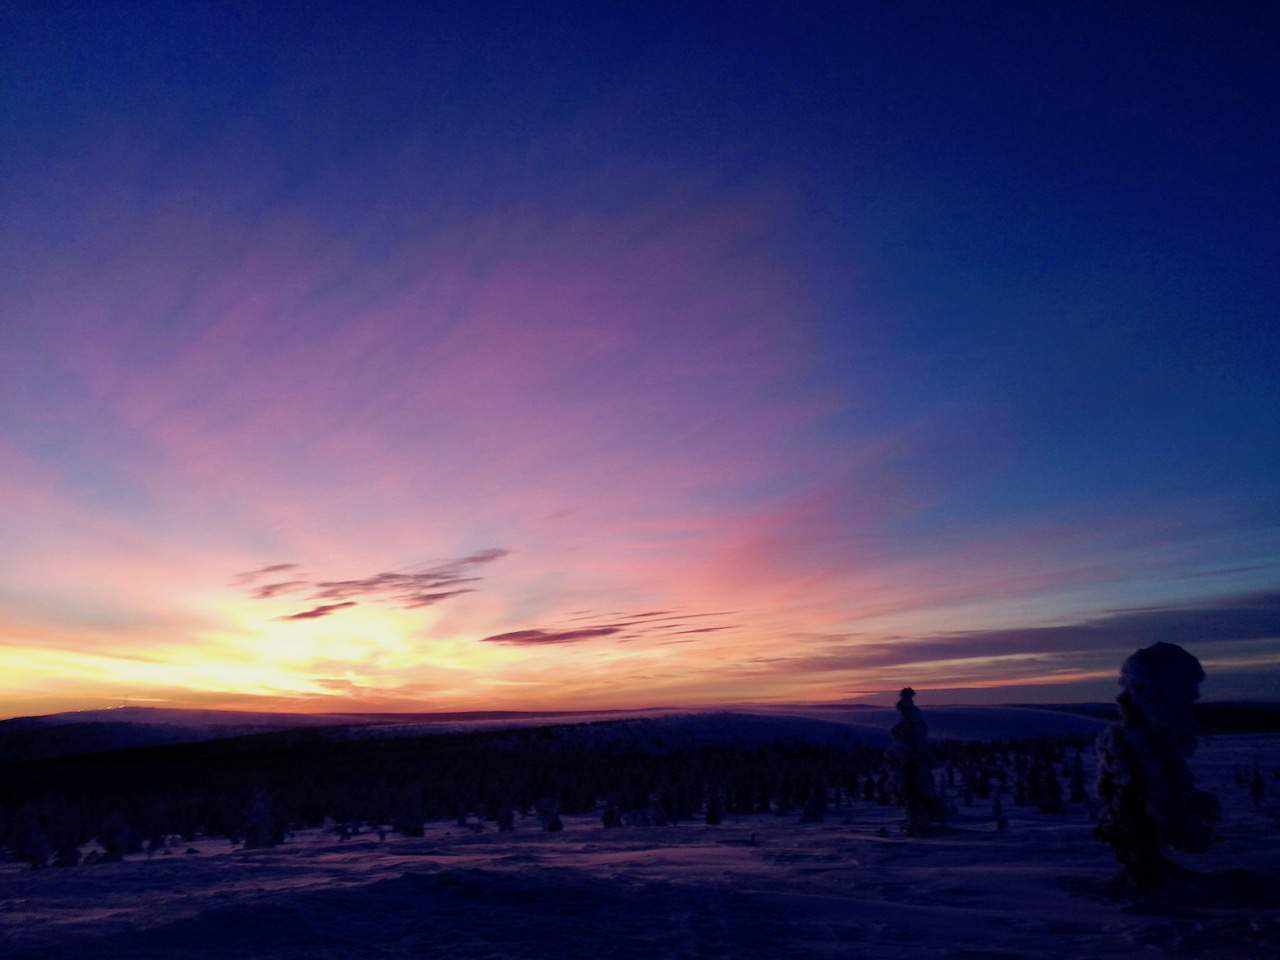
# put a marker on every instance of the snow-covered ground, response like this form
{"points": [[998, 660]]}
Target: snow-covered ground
{"points": [[758, 886]]}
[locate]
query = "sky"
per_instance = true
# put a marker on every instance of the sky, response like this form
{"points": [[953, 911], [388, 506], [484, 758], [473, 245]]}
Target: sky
{"points": [[534, 356]]}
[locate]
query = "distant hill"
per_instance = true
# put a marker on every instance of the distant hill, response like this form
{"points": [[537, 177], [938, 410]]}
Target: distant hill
{"points": [[120, 728], [97, 731], [1215, 717], [70, 734]]}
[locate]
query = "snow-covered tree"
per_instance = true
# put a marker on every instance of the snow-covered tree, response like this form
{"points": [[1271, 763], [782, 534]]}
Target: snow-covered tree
{"points": [[909, 757], [1147, 799]]}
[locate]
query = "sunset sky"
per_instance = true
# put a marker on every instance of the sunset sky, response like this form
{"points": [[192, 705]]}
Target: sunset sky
{"points": [[480, 357]]}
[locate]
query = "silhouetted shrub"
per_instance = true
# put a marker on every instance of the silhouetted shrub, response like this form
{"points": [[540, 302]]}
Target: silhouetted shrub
{"points": [[30, 842], [116, 838], [505, 818], [815, 805], [639, 817], [611, 816], [548, 809], [408, 817], [715, 808], [261, 829]]}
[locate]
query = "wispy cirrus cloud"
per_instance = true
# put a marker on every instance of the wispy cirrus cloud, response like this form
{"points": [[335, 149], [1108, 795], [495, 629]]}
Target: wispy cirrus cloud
{"points": [[316, 613], [539, 637], [268, 590], [251, 576], [409, 591], [653, 624], [413, 589]]}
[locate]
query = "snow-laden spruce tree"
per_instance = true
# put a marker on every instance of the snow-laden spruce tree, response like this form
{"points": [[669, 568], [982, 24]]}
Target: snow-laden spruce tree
{"points": [[1147, 799], [909, 757]]}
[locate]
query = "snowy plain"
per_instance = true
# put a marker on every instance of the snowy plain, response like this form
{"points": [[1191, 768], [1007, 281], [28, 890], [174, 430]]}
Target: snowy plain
{"points": [[755, 886]]}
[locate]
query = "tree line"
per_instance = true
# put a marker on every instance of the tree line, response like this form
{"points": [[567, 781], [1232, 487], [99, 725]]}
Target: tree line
{"points": [[255, 790]]}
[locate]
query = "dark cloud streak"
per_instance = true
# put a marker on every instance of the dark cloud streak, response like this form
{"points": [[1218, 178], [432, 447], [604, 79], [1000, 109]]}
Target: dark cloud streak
{"points": [[315, 613], [410, 591], [541, 637], [1238, 618], [622, 627], [249, 576], [428, 599], [268, 590]]}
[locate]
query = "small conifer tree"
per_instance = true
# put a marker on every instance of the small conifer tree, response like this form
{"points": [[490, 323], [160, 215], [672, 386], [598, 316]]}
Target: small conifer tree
{"points": [[611, 817], [909, 756], [715, 808]]}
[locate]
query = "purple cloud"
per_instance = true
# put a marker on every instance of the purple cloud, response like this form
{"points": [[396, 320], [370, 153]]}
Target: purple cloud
{"points": [[412, 589], [427, 599], [623, 627], [539, 637], [407, 590], [268, 590], [1237, 618], [321, 611], [249, 576]]}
